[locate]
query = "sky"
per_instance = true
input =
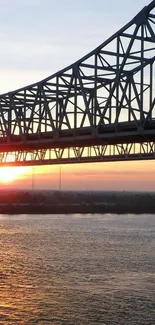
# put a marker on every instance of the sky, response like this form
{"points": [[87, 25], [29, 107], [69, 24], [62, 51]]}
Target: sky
{"points": [[39, 38]]}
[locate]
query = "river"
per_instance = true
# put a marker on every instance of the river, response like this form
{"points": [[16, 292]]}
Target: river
{"points": [[77, 269]]}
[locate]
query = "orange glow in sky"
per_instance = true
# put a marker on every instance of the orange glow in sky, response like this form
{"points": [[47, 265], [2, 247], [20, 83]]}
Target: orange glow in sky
{"points": [[136, 175], [9, 174]]}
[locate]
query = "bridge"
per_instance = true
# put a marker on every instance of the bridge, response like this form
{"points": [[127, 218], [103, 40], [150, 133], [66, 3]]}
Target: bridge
{"points": [[101, 108]]}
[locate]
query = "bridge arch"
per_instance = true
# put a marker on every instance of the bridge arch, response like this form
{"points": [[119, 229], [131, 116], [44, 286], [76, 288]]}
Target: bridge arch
{"points": [[88, 110]]}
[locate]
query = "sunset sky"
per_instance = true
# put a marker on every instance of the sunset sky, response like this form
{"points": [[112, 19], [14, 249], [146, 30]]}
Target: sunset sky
{"points": [[39, 38]]}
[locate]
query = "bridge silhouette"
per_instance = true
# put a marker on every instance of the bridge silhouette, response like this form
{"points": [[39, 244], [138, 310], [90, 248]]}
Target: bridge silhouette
{"points": [[101, 108]]}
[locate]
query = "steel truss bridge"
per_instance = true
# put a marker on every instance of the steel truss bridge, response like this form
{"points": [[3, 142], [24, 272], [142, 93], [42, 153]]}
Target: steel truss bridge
{"points": [[101, 108]]}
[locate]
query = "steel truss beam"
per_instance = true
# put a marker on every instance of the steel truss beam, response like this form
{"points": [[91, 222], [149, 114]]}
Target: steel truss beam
{"points": [[110, 88], [98, 153]]}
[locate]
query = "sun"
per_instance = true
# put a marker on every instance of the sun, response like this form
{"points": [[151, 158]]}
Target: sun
{"points": [[9, 174]]}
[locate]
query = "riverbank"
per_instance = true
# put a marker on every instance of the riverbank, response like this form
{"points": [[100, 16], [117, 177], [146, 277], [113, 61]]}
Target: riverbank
{"points": [[56, 202]]}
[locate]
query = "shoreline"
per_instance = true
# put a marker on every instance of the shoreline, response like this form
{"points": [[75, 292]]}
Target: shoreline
{"points": [[75, 209], [54, 202]]}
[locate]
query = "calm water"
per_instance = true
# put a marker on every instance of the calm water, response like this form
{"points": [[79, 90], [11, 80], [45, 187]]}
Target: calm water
{"points": [[77, 269]]}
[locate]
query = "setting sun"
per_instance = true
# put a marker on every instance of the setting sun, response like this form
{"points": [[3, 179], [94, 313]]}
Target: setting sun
{"points": [[9, 174]]}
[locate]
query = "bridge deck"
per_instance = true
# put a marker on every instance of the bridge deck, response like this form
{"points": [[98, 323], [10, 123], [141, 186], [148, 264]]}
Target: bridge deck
{"points": [[107, 134]]}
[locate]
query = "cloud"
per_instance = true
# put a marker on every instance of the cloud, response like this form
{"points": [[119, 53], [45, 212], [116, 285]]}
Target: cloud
{"points": [[48, 35], [112, 173]]}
